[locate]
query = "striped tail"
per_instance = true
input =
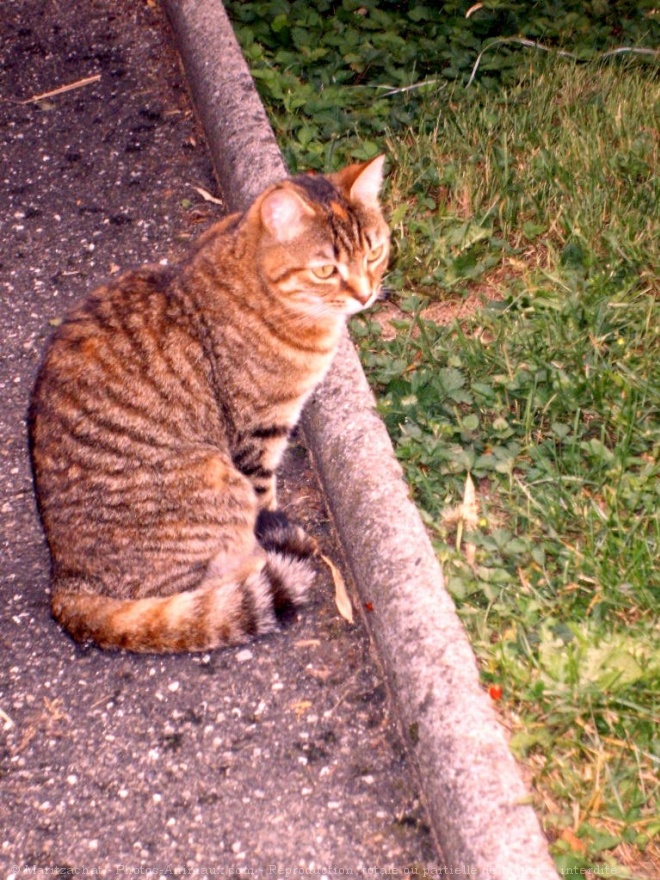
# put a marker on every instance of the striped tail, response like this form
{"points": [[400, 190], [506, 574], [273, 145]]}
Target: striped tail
{"points": [[222, 611]]}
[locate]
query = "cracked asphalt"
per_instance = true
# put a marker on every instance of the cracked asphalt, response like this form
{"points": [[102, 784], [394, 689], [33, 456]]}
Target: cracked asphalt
{"points": [[282, 755]]}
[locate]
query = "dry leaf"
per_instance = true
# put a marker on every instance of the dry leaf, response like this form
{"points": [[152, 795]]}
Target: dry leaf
{"points": [[342, 600], [88, 80], [207, 195], [300, 707], [470, 517], [573, 841], [7, 723], [473, 9], [470, 513], [322, 674]]}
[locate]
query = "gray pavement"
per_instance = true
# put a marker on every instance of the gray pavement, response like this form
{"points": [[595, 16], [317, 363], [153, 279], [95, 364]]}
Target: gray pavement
{"points": [[281, 756]]}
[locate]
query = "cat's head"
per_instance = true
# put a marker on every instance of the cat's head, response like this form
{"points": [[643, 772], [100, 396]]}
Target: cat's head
{"points": [[325, 243]]}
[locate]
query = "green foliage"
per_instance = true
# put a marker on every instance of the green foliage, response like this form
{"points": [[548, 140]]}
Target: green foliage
{"points": [[559, 409], [338, 75]]}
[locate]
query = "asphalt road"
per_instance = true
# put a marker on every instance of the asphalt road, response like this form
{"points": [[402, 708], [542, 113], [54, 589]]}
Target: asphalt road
{"points": [[282, 756]]}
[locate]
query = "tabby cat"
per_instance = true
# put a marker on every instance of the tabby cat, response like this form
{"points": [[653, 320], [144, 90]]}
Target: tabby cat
{"points": [[162, 409]]}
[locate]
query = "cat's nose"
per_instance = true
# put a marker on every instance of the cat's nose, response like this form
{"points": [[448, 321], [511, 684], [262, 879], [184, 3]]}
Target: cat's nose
{"points": [[361, 289]]}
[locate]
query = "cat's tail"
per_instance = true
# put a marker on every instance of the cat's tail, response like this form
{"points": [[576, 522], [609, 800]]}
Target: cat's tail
{"points": [[222, 611]]}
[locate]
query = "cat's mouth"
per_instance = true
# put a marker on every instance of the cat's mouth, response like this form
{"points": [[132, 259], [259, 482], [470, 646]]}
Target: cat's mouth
{"points": [[353, 305]]}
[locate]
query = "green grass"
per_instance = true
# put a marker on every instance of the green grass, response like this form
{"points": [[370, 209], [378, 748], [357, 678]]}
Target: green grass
{"points": [[536, 193], [543, 198]]}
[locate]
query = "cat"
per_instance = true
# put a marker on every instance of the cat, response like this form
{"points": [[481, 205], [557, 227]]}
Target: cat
{"points": [[163, 406]]}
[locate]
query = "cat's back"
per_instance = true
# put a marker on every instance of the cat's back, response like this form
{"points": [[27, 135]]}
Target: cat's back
{"points": [[123, 373], [118, 319]]}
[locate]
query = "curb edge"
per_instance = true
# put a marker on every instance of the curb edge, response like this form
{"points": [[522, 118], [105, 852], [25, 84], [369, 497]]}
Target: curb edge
{"points": [[474, 793]]}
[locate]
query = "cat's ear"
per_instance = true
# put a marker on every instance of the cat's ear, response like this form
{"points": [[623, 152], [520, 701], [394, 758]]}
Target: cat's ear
{"points": [[362, 182], [284, 213]]}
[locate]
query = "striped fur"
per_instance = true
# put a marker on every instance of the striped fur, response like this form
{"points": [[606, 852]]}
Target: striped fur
{"points": [[163, 406]]}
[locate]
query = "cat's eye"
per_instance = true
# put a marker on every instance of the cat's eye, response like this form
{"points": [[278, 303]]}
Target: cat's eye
{"points": [[375, 253], [324, 271]]}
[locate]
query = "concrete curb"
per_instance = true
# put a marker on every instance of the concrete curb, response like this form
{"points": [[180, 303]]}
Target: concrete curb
{"points": [[473, 790]]}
